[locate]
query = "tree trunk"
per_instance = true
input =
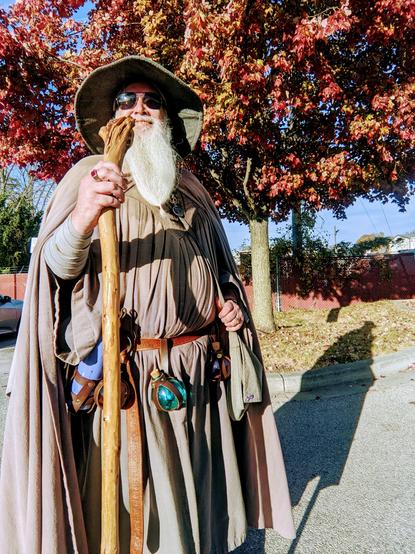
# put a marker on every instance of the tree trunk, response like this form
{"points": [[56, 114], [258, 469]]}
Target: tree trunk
{"points": [[261, 276]]}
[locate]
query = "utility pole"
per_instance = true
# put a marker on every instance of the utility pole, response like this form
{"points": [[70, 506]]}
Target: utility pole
{"points": [[335, 231], [296, 230], [277, 286]]}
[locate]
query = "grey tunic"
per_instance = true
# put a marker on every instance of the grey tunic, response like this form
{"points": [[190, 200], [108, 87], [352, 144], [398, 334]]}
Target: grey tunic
{"points": [[192, 474]]}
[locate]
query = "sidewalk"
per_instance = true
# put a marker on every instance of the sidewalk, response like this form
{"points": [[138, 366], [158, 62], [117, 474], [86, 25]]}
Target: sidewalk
{"points": [[342, 374]]}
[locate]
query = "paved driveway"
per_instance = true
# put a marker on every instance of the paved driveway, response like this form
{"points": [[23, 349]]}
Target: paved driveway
{"points": [[350, 456]]}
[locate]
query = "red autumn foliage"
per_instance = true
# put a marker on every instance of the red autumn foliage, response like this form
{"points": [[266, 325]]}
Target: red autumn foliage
{"points": [[310, 101]]}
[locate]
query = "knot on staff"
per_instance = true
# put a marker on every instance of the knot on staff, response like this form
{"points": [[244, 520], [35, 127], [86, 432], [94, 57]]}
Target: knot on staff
{"points": [[117, 136]]}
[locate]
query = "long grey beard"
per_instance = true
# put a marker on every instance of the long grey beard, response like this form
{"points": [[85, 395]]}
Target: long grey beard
{"points": [[151, 160]]}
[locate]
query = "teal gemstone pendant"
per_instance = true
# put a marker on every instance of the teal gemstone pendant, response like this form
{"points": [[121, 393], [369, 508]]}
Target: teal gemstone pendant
{"points": [[168, 393]]}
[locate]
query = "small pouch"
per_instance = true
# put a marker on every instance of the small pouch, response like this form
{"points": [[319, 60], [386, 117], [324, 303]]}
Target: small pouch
{"points": [[84, 399], [220, 364], [245, 385], [91, 394], [127, 392]]}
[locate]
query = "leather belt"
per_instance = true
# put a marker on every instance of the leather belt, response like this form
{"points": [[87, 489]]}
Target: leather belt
{"points": [[157, 344]]}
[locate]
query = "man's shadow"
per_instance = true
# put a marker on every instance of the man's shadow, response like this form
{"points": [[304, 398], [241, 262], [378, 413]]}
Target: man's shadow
{"points": [[317, 435]]}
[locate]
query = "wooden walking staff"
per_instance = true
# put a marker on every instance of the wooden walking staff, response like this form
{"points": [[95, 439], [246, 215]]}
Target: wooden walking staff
{"points": [[117, 136]]}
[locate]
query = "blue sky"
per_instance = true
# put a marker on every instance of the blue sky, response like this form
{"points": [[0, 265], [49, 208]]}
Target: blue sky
{"points": [[363, 217]]}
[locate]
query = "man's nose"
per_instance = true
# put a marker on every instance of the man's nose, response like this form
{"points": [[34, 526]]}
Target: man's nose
{"points": [[139, 107]]}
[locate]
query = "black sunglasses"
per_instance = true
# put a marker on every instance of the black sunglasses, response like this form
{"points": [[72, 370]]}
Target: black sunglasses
{"points": [[127, 100]]}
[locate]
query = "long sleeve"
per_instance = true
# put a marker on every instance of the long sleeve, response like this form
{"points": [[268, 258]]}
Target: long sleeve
{"points": [[66, 251]]}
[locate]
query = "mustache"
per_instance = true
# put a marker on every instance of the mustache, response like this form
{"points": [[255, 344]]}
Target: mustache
{"points": [[147, 118]]}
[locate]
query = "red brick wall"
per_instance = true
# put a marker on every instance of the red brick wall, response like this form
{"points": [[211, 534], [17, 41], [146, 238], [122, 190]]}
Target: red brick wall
{"points": [[395, 281], [13, 285]]}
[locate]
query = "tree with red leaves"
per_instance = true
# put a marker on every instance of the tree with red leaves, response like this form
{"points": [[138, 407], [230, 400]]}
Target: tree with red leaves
{"points": [[305, 102]]}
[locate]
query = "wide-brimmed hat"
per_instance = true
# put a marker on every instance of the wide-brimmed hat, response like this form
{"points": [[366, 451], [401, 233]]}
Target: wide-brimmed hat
{"points": [[95, 97]]}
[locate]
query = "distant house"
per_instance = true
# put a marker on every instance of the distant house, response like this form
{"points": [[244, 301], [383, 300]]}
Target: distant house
{"points": [[399, 244], [403, 244]]}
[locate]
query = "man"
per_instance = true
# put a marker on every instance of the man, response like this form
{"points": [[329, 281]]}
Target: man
{"points": [[206, 478]]}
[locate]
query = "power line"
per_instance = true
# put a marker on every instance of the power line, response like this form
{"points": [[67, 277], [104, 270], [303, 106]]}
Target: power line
{"points": [[368, 215], [386, 219]]}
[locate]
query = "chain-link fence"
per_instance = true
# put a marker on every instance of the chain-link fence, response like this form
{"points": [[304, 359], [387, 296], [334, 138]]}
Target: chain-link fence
{"points": [[14, 270], [343, 281], [314, 282]]}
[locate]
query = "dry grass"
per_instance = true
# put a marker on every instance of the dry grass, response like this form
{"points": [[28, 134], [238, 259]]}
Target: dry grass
{"points": [[308, 339]]}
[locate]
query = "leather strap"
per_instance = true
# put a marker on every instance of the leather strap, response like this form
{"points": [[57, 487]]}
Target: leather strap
{"points": [[164, 354], [135, 433], [135, 469]]}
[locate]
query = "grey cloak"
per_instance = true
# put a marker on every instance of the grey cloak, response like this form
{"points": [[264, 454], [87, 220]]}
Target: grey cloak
{"points": [[207, 478]]}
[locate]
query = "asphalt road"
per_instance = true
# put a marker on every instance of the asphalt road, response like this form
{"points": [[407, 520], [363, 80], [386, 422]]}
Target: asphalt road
{"points": [[349, 454]]}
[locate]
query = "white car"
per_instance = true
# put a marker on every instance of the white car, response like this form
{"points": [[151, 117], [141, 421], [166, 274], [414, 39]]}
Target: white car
{"points": [[10, 314]]}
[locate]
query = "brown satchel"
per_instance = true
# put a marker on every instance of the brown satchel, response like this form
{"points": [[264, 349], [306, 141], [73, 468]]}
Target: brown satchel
{"points": [[91, 394]]}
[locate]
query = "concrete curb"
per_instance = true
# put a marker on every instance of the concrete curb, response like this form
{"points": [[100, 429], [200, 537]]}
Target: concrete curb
{"points": [[342, 374], [339, 374]]}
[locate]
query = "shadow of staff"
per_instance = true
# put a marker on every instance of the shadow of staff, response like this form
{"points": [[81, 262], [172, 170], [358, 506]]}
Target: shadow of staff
{"points": [[316, 436]]}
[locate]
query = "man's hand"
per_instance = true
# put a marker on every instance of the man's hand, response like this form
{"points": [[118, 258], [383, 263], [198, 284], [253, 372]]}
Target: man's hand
{"points": [[231, 315], [96, 195]]}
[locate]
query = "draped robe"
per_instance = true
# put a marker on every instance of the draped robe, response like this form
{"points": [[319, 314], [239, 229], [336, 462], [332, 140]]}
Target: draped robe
{"points": [[207, 478]]}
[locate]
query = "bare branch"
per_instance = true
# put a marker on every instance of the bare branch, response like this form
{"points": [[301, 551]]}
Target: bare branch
{"points": [[251, 203], [235, 202], [63, 60]]}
